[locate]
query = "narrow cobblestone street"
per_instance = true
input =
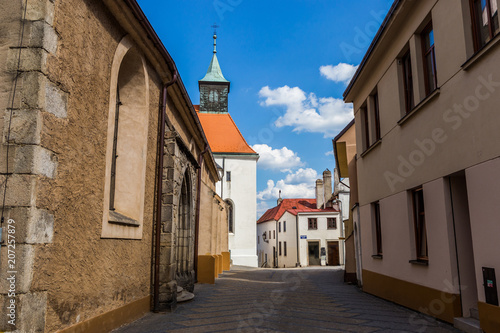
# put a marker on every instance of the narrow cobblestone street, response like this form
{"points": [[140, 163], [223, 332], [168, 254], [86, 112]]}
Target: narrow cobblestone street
{"points": [[292, 300]]}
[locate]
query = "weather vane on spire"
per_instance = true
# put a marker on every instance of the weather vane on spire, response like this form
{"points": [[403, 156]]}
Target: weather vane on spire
{"points": [[215, 26]]}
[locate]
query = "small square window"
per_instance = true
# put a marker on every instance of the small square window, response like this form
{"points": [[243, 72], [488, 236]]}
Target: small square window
{"points": [[312, 223], [228, 176], [331, 222]]}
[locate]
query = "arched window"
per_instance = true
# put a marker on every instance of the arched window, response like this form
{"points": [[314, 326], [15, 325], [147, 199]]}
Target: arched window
{"points": [[127, 135], [230, 216], [184, 222]]}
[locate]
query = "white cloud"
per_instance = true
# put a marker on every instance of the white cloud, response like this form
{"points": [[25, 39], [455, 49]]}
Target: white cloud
{"points": [[329, 153], [262, 207], [339, 73], [307, 113], [301, 176], [282, 159], [296, 185]]}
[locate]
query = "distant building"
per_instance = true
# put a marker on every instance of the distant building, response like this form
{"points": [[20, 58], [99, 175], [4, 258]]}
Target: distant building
{"points": [[298, 233], [426, 99], [345, 187], [238, 161]]}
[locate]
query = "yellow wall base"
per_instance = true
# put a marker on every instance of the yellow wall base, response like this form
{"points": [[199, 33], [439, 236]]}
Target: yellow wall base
{"points": [[219, 264], [226, 261], [436, 303], [207, 269], [489, 316], [112, 319]]}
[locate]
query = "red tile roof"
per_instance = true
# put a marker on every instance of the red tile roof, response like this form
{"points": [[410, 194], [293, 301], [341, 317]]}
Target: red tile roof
{"points": [[293, 206], [222, 133]]}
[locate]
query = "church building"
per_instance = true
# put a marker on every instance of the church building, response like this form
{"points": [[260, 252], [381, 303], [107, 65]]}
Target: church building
{"points": [[237, 160]]}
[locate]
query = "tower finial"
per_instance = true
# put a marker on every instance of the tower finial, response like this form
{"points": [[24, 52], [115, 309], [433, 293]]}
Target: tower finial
{"points": [[215, 26]]}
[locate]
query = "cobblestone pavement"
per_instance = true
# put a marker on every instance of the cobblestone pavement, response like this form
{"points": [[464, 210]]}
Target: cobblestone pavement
{"points": [[279, 300]]}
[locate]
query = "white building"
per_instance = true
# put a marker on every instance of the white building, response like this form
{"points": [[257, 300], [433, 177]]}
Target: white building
{"points": [[237, 160], [296, 233]]}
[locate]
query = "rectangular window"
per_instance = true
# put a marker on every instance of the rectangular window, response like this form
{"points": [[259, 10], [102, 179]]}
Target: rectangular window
{"points": [[279, 226], [270, 234], [274, 234], [429, 59], [331, 222], [284, 226], [376, 114], [484, 21], [378, 229], [408, 82], [279, 247], [228, 176], [419, 222], [284, 248], [312, 223], [366, 129]]}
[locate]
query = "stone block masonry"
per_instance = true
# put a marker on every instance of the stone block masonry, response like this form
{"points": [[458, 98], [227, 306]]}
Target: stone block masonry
{"points": [[178, 216], [29, 162]]}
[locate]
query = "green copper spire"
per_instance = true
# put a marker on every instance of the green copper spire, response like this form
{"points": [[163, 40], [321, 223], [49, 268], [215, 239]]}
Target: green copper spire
{"points": [[214, 73], [214, 88]]}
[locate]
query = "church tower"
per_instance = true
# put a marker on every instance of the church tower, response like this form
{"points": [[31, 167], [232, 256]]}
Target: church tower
{"points": [[214, 88], [238, 185]]}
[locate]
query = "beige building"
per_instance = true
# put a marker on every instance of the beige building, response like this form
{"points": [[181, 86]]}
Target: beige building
{"points": [[104, 209], [344, 149], [426, 99]]}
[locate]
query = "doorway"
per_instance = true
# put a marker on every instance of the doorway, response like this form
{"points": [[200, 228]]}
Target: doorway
{"points": [[275, 261], [313, 250], [333, 253], [463, 242]]}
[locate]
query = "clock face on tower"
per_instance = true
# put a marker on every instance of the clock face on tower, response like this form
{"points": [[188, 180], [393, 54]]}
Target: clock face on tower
{"points": [[213, 98]]}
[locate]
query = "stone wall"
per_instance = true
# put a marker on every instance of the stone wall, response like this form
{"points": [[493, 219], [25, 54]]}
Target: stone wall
{"points": [[66, 272], [178, 220]]}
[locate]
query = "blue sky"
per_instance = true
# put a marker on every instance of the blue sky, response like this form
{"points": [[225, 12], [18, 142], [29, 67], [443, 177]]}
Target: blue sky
{"points": [[288, 62]]}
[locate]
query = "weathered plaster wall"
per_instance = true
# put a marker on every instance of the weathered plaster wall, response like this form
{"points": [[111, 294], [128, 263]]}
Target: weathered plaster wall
{"points": [[84, 274], [75, 275]]}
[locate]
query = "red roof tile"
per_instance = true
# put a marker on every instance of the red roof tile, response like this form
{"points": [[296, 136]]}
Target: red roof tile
{"points": [[222, 133], [293, 206]]}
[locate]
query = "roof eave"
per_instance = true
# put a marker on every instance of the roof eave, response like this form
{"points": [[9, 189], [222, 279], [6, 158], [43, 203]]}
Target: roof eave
{"points": [[389, 16]]}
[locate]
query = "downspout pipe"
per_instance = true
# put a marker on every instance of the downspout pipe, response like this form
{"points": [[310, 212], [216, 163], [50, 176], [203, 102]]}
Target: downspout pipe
{"points": [[159, 190], [298, 236], [198, 207]]}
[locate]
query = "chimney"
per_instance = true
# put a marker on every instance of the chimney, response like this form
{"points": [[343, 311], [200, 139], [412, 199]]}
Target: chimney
{"points": [[279, 199], [320, 194], [336, 181], [327, 182]]}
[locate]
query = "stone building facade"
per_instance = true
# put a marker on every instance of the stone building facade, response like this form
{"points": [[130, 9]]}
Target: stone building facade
{"points": [[83, 85]]}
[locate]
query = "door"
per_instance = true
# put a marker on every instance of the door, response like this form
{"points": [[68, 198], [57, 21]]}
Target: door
{"points": [[313, 248], [333, 254], [274, 257], [463, 238]]}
